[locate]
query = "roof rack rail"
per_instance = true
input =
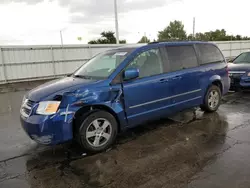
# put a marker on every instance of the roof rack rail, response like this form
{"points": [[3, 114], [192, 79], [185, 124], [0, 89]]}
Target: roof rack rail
{"points": [[168, 41], [191, 41], [153, 42]]}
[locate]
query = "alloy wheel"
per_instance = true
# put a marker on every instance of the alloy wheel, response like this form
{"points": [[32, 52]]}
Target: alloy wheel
{"points": [[98, 132]]}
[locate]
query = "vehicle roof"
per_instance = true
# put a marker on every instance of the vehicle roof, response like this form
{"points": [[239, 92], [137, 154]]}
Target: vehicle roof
{"points": [[136, 46], [180, 42]]}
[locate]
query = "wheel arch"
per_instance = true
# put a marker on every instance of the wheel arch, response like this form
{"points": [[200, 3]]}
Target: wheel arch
{"points": [[218, 83], [204, 106], [87, 110], [216, 80]]}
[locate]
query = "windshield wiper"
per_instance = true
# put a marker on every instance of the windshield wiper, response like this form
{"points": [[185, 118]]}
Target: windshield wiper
{"points": [[83, 76]]}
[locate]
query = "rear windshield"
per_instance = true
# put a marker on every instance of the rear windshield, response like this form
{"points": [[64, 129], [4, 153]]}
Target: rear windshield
{"points": [[102, 65]]}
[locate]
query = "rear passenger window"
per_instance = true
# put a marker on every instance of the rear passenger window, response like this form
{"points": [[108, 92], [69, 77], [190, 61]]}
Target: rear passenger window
{"points": [[209, 54], [181, 57]]}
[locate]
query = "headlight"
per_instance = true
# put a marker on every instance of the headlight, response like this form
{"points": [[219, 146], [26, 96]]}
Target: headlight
{"points": [[248, 74], [48, 107]]}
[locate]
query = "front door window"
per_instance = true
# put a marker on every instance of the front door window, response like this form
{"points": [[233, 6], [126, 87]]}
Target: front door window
{"points": [[149, 63]]}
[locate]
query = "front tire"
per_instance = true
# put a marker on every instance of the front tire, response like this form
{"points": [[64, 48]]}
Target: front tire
{"points": [[97, 131], [212, 99]]}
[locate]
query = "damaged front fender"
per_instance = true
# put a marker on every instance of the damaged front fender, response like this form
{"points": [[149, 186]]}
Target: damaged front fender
{"points": [[58, 128], [105, 98]]}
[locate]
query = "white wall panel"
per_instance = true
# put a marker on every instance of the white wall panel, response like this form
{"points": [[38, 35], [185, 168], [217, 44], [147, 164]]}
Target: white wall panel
{"points": [[236, 45], [1, 74], [245, 45], [223, 46], [67, 67], [26, 55], [71, 53], [15, 72]]}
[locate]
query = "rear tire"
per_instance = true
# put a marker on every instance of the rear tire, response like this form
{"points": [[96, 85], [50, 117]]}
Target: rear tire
{"points": [[96, 131], [212, 99]]}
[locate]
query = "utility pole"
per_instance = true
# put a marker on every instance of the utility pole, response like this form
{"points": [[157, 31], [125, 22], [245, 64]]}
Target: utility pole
{"points": [[116, 23], [61, 36], [194, 28]]}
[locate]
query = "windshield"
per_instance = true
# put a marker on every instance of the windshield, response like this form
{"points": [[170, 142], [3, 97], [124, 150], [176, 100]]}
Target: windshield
{"points": [[102, 65], [242, 58]]}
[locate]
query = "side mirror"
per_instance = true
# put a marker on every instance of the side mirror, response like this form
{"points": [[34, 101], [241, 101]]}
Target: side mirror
{"points": [[130, 74]]}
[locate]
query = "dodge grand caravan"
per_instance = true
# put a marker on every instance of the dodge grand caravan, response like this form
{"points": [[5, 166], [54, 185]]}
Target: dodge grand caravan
{"points": [[124, 87]]}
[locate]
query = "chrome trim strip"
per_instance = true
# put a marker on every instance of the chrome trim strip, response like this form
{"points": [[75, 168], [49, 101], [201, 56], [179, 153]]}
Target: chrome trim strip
{"points": [[158, 100], [236, 72], [132, 116], [26, 106], [23, 113]]}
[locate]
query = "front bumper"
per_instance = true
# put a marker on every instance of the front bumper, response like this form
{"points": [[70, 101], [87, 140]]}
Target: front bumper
{"points": [[240, 83], [48, 130]]}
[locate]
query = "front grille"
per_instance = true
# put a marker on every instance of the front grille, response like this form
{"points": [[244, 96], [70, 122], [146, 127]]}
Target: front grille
{"points": [[26, 111], [30, 103], [27, 107], [237, 75], [235, 79], [235, 82]]}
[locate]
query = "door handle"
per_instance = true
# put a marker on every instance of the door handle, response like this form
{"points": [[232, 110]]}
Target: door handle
{"points": [[163, 80], [176, 77]]}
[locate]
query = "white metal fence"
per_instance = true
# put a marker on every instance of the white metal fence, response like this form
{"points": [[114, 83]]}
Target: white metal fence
{"points": [[23, 63], [233, 48]]}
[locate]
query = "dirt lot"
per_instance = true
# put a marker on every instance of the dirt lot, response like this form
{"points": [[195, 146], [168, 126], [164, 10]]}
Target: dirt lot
{"points": [[206, 150]]}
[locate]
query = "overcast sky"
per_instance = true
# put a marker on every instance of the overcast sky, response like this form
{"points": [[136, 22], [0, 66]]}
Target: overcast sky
{"points": [[40, 21]]}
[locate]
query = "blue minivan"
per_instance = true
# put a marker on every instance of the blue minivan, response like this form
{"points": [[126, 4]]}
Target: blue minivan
{"points": [[122, 88]]}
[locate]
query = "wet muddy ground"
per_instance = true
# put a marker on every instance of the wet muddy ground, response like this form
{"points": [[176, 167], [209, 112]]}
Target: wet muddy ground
{"points": [[208, 150]]}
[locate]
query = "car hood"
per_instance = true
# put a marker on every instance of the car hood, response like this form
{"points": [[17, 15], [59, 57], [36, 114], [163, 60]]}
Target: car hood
{"points": [[57, 87], [239, 67]]}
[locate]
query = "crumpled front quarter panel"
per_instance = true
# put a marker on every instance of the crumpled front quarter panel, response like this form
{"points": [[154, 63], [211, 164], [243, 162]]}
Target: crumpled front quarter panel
{"points": [[72, 102]]}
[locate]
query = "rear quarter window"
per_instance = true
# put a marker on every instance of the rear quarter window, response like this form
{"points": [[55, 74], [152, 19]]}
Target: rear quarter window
{"points": [[210, 54]]}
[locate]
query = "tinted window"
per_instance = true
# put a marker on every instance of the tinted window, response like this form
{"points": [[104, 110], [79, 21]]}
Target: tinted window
{"points": [[149, 63], [181, 57], [210, 54]]}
